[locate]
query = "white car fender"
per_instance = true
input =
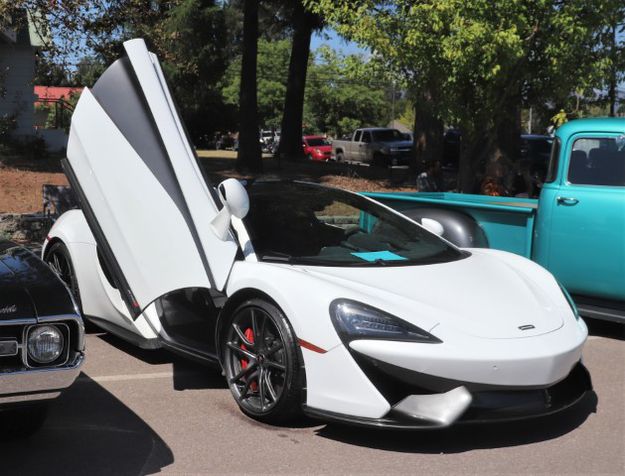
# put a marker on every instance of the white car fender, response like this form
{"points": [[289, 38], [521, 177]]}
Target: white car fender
{"points": [[333, 379]]}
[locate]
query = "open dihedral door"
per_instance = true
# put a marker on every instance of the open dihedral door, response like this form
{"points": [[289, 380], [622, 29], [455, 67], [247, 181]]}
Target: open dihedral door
{"points": [[140, 185]]}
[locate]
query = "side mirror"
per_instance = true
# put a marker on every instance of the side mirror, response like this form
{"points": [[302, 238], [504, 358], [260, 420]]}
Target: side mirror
{"points": [[236, 203], [433, 226]]}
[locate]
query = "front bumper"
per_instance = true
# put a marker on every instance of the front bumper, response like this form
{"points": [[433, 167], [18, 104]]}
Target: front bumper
{"points": [[413, 407], [23, 381], [38, 384]]}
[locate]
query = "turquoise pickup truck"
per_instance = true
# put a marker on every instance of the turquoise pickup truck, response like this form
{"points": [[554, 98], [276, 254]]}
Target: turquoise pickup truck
{"points": [[575, 229]]}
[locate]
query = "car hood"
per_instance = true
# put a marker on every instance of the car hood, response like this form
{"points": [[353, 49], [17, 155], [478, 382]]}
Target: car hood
{"points": [[322, 148], [28, 287], [484, 295]]}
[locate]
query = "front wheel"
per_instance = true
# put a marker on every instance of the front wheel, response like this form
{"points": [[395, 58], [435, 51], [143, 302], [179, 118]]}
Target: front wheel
{"points": [[262, 362]]}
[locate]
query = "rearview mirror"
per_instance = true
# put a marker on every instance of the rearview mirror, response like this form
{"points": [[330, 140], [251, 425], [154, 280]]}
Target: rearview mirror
{"points": [[433, 226], [236, 203]]}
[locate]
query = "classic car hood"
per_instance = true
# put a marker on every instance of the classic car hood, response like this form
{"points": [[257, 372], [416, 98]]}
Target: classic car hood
{"points": [[482, 295], [28, 287]]}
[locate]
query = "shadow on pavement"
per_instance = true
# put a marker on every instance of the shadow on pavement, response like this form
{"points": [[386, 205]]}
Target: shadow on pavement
{"points": [[88, 431], [187, 374], [466, 437], [611, 330]]}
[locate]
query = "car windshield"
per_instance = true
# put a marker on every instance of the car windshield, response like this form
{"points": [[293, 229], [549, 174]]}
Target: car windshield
{"points": [[387, 135], [302, 223], [316, 142]]}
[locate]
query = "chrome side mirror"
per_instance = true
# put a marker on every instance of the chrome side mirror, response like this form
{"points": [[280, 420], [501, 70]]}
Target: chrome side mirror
{"points": [[236, 203]]}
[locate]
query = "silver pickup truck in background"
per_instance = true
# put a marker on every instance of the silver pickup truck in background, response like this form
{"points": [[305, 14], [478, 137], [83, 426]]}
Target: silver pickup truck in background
{"points": [[374, 146]]}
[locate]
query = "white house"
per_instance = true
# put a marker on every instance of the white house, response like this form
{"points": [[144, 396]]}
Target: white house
{"points": [[18, 47]]}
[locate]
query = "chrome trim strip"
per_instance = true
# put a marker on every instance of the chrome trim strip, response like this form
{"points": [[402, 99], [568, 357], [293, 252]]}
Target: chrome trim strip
{"points": [[21, 385], [23, 321]]}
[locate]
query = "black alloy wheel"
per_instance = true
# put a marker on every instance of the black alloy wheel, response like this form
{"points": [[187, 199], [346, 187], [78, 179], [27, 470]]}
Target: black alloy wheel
{"points": [[57, 257], [262, 362]]}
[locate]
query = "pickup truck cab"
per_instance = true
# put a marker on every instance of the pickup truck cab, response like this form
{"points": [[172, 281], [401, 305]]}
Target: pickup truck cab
{"points": [[575, 229], [374, 146]]}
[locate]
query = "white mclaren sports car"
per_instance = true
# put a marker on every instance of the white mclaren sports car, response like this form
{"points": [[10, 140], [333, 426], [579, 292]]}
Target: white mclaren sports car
{"points": [[308, 298]]}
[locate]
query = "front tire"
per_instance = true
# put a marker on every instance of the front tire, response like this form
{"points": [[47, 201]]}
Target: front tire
{"points": [[59, 259], [263, 363]]}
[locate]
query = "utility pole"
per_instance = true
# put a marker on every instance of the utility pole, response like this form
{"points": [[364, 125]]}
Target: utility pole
{"points": [[393, 103], [529, 122]]}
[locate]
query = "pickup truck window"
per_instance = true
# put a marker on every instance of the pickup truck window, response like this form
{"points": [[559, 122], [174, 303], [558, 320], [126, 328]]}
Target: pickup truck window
{"points": [[366, 137], [357, 136], [388, 135], [597, 161], [552, 171]]}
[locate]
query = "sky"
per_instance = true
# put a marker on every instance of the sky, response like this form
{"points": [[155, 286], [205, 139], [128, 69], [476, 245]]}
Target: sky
{"points": [[330, 37]]}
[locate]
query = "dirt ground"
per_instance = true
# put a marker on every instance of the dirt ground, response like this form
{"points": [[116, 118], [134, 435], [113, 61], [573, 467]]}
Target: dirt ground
{"points": [[21, 181]]}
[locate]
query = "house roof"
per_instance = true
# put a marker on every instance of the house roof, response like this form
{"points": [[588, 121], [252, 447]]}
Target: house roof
{"points": [[54, 93]]}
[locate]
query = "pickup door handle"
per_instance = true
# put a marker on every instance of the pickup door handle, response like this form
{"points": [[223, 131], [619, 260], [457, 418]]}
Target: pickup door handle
{"points": [[567, 201]]}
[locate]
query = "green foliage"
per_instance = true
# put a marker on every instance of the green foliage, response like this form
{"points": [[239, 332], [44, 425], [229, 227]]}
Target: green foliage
{"points": [[344, 93], [272, 70], [191, 40], [476, 63], [88, 71]]}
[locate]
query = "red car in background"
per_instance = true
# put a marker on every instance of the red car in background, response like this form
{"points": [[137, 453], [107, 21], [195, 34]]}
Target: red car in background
{"points": [[317, 148]]}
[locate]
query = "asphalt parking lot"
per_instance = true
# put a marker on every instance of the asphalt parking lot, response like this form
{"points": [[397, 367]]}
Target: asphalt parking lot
{"points": [[140, 412]]}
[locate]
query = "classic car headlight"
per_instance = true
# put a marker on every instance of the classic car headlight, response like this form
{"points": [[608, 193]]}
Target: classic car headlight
{"points": [[45, 344], [354, 320], [570, 301]]}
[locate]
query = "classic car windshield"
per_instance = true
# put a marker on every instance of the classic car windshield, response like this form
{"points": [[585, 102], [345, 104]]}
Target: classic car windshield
{"points": [[303, 223]]}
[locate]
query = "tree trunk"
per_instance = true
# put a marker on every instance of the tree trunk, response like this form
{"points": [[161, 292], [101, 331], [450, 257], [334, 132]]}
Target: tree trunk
{"points": [[613, 68], [428, 132], [249, 157], [291, 136]]}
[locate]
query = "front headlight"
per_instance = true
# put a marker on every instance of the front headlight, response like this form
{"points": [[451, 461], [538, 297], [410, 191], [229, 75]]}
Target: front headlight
{"points": [[570, 301], [354, 320], [45, 344], [385, 150]]}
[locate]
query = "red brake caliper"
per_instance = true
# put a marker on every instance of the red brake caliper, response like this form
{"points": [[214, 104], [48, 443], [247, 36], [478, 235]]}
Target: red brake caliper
{"points": [[249, 335]]}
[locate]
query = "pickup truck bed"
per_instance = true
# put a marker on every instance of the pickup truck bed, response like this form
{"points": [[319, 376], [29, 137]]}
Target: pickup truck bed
{"points": [[507, 222]]}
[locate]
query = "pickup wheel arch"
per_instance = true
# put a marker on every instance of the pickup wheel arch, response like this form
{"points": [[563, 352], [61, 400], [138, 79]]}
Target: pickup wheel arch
{"points": [[460, 228]]}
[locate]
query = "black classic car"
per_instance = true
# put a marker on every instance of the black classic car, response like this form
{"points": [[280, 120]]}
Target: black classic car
{"points": [[41, 339]]}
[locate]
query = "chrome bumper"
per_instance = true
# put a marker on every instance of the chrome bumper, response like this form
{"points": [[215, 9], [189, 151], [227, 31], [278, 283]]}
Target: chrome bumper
{"points": [[38, 384]]}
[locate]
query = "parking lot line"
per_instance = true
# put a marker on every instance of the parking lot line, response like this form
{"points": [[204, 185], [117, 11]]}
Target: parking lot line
{"points": [[121, 378]]}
